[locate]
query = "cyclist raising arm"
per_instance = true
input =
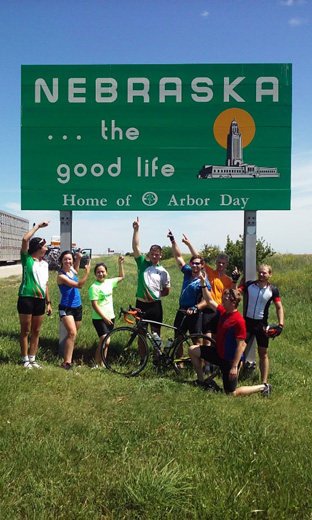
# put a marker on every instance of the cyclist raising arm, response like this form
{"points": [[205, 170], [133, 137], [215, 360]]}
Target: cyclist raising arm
{"points": [[153, 280], [230, 339]]}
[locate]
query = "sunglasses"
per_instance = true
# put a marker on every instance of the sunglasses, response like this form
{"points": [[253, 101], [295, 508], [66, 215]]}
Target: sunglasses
{"points": [[195, 263], [42, 242]]}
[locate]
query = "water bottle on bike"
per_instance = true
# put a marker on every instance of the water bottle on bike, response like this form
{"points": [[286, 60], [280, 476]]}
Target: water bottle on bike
{"points": [[157, 340], [168, 345]]}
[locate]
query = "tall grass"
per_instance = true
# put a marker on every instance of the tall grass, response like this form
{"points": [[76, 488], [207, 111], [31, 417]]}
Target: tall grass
{"points": [[92, 445]]}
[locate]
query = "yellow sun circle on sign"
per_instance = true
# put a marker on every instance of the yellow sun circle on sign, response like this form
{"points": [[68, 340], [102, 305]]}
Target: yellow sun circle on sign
{"points": [[245, 123]]}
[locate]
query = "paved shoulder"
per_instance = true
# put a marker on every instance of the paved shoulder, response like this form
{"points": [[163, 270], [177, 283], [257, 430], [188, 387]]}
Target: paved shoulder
{"points": [[10, 270]]}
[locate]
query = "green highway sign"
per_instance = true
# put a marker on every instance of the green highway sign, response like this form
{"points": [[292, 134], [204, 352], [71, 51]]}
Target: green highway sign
{"points": [[156, 137]]}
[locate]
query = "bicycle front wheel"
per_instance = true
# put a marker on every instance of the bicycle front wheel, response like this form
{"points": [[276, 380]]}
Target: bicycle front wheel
{"points": [[124, 351], [181, 360]]}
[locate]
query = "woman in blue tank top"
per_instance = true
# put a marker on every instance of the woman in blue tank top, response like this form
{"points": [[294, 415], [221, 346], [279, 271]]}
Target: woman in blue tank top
{"points": [[70, 308]]}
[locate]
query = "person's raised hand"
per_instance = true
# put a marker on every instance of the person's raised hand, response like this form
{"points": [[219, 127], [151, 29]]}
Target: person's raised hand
{"points": [[185, 240], [170, 235], [136, 224], [235, 274], [44, 223]]}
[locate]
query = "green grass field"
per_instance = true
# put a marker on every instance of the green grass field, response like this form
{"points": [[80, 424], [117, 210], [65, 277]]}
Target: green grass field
{"points": [[89, 444]]}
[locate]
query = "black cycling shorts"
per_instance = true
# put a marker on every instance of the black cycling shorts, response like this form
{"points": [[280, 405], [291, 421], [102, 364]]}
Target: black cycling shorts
{"points": [[210, 354], [189, 322], [76, 312], [255, 328], [210, 321], [153, 311], [30, 305], [102, 328]]}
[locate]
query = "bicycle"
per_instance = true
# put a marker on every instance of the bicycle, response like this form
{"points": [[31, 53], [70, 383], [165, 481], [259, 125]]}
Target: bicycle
{"points": [[122, 354]]}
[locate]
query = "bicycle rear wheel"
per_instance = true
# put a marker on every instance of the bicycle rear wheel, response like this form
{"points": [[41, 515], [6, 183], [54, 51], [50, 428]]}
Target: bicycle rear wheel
{"points": [[121, 352], [181, 360]]}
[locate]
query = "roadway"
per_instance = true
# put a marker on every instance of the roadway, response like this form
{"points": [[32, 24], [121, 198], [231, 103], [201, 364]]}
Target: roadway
{"points": [[10, 270]]}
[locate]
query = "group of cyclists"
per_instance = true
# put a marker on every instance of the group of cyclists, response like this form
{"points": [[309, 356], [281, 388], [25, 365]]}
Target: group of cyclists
{"points": [[34, 294], [208, 304]]}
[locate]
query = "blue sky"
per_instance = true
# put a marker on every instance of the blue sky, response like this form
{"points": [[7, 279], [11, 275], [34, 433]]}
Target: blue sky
{"points": [[161, 31]]}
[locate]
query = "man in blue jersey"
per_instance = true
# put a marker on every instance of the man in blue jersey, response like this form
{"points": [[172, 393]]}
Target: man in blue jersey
{"points": [[191, 299]]}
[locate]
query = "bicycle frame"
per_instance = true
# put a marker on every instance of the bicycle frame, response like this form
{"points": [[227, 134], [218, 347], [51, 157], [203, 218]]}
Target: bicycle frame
{"points": [[142, 323], [122, 354]]}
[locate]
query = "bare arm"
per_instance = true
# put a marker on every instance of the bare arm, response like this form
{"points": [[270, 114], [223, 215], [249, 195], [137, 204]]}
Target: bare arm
{"points": [[77, 260], [135, 238], [207, 294], [30, 234], [62, 279], [85, 276], [202, 305], [192, 249], [165, 291], [49, 308], [240, 347], [121, 274], [176, 251], [279, 312], [98, 310]]}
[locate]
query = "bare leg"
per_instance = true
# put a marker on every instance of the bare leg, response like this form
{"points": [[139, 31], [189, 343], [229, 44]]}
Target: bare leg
{"points": [[248, 390], [72, 328], [25, 322], [97, 357], [263, 363], [36, 323], [195, 355]]}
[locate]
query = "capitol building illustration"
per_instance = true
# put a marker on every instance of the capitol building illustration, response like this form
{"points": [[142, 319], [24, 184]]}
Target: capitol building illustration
{"points": [[235, 167]]}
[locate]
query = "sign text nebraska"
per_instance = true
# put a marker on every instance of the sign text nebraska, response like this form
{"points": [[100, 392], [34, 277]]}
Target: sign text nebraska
{"points": [[106, 89]]}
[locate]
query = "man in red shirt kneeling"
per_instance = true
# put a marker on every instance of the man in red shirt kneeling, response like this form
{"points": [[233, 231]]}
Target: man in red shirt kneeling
{"points": [[230, 345]]}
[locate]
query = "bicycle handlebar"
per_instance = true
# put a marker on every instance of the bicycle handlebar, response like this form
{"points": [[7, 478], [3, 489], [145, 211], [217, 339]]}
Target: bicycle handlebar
{"points": [[137, 314], [133, 312]]}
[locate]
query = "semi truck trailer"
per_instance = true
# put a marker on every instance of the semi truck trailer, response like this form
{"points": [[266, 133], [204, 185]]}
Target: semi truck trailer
{"points": [[12, 230]]}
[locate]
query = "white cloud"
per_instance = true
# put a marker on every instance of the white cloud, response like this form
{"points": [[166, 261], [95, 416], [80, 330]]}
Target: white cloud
{"points": [[295, 22], [205, 13], [14, 206], [291, 3]]}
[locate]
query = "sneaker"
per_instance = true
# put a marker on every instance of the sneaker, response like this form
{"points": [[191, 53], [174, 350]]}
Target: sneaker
{"points": [[67, 366], [27, 364], [34, 364], [266, 392]]}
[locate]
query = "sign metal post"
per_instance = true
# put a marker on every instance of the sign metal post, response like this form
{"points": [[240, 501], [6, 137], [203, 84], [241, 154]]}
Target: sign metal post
{"points": [[65, 244], [250, 243]]}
